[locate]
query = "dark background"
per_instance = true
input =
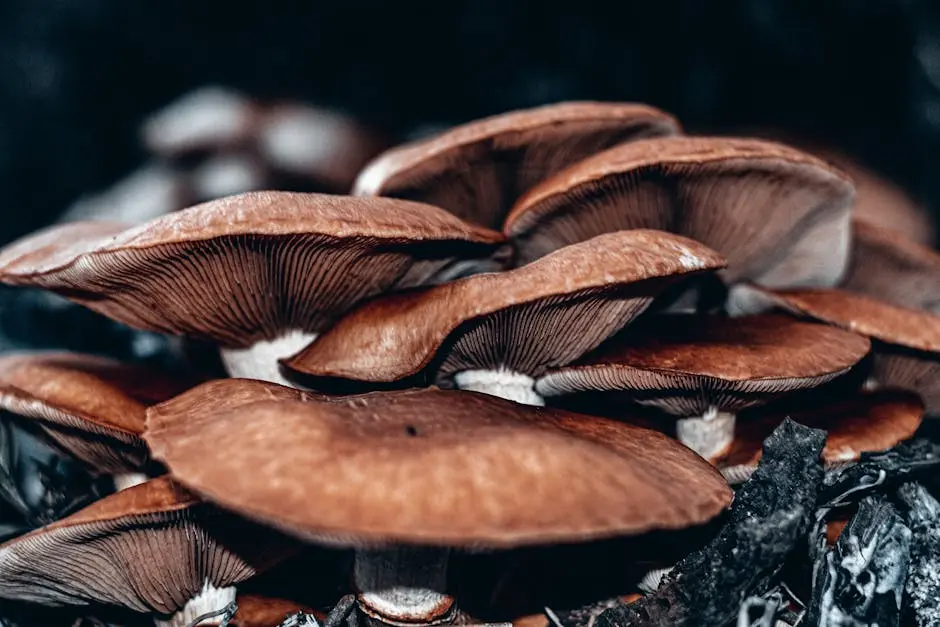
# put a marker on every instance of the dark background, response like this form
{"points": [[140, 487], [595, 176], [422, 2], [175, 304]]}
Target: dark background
{"points": [[77, 76]]}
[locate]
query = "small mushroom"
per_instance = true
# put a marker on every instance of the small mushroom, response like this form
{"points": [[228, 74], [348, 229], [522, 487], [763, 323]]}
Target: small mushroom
{"points": [[153, 548], [261, 611], [870, 421], [92, 407], [260, 274], [705, 369], [905, 342], [479, 169], [779, 216], [404, 476], [496, 333], [891, 268]]}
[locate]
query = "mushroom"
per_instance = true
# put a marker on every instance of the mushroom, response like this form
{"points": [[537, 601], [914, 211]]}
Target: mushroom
{"points": [[92, 407], [477, 170], [260, 274], [870, 421], [705, 369], [891, 268], [262, 611], [152, 548], [779, 216], [497, 333], [404, 476], [905, 342]]}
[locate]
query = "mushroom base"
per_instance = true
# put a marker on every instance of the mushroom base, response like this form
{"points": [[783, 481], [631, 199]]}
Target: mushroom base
{"points": [[127, 480], [260, 361], [709, 435], [211, 599], [404, 586], [502, 382]]}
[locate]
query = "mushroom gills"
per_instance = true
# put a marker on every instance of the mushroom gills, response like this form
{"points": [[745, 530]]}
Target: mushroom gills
{"points": [[404, 585], [501, 382], [209, 600], [260, 360], [125, 480], [709, 434]]}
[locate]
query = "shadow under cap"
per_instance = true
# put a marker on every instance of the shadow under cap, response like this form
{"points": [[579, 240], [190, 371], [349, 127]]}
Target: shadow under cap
{"points": [[441, 468], [528, 319], [779, 216], [479, 169], [247, 268]]}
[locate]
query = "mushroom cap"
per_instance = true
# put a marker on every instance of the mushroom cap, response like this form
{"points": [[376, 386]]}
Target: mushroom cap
{"points": [[870, 421], [248, 267], [149, 548], [509, 319], [887, 266], [92, 407], [477, 170], [684, 364], [780, 216], [440, 467], [261, 611]]}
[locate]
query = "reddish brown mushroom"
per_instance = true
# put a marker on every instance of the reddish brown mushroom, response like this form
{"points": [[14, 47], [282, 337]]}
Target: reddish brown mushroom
{"points": [[479, 169], [496, 333], [705, 369], [152, 548], [779, 216], [92, 407], [259, 274], [414, 472]]}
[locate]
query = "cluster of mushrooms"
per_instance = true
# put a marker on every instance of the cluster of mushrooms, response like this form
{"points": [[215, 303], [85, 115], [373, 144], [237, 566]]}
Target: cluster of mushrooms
{"points": [[551, 326]]}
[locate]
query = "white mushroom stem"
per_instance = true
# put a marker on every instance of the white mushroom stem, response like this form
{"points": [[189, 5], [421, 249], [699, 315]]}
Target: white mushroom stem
{"points": [[709, 434], [209, 600], [259, 361], [502, 382], [404, 585], [125, 480]]}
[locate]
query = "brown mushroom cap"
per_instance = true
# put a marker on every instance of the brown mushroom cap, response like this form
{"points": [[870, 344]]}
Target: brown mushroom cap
{"points": [[149, 548], [871, 421], [440, 467], [891, 268], [684, 364], [248, 267], [92, 407], [477, 170], [780, 216], [261, 611], [510, 319]]}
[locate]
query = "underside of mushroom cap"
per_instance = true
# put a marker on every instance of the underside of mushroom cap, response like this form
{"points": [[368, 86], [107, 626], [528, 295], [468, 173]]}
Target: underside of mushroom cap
{"points": [[92, 407], [439, 467], [525, 320], [869, 421], [686, 364], [891, 268], [477, 170], [150, 548], [251, 267], [779, 216]]}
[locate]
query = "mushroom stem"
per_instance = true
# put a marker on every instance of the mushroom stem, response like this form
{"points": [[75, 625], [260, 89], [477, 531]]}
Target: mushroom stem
{"points": [[125, 480], [709, 435], [404, 585], [208, 601], [501, 382], [260, 360]]}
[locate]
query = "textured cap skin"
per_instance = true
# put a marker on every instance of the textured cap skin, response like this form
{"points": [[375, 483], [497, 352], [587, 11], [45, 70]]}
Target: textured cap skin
{"points": [[779, 216], [477, 170], [888, 266], [149, 548], [871, 421], [440, 467], [91, 406], [510, 318], [684, 363], [247, 267]]}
